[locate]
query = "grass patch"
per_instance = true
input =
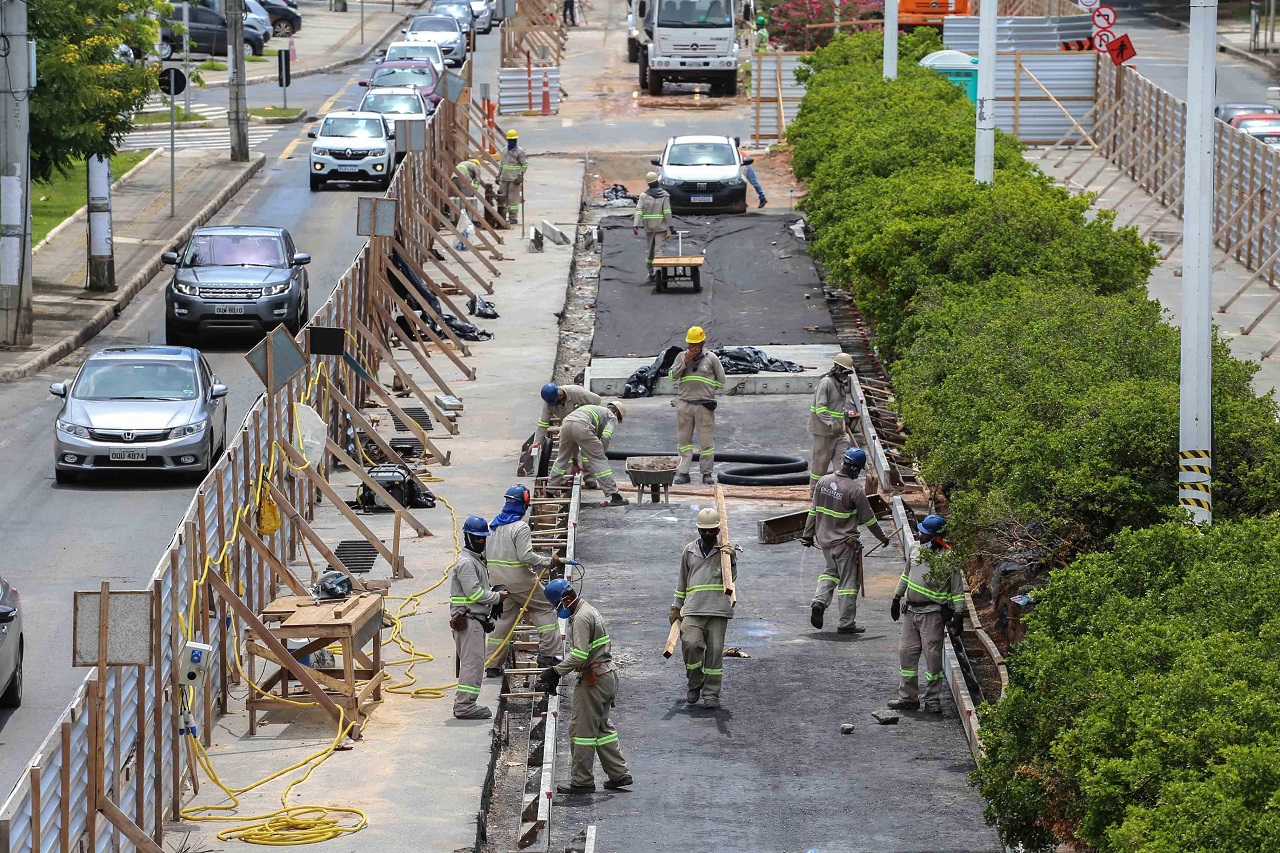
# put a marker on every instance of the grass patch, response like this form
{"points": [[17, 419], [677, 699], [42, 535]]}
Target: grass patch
{"points": [[212, 65], [252, 58], [53, 202], [162, 117], [273, 112]]}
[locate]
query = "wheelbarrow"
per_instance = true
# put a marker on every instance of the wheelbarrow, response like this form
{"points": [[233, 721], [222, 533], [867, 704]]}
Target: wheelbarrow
{"points": [[656, 473], [678, 268]]}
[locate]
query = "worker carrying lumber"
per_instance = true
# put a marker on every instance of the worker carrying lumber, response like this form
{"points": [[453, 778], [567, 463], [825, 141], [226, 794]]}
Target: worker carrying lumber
{"points": [[557, 402], [839, 506], [583, 433], [935, 597], [591, 656], [512, 166], [471, 601], [653, 212], [703, 610], [833, 408], [514, 564], [699, 376]]}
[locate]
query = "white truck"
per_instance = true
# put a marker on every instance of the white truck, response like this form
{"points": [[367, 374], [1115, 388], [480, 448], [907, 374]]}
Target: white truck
{"points": [[685, 41]]}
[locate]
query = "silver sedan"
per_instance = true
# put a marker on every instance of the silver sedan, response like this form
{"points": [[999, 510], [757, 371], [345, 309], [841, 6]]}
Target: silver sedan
{"points": [[140, 408]]}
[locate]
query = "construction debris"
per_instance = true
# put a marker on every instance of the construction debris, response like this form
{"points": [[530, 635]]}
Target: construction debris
{"points": [[885, 718]]}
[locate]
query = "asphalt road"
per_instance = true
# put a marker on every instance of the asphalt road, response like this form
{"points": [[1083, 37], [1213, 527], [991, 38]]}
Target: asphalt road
{"points": [[1162, 59]]}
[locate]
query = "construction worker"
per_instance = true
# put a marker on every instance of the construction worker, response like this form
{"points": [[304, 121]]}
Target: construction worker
{"points": [[762, 35], [699, 376], [467, 179], [559, 401], [471, 600], [839, 506], [832, 409], [513, 165], [703, 610], [749, 172], [653, 211], [591, 656], [514, 564], [583, 433], [933, 601]]}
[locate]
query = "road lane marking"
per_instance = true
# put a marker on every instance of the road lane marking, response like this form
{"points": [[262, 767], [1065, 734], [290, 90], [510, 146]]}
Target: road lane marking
{"points": [[324, 110]]}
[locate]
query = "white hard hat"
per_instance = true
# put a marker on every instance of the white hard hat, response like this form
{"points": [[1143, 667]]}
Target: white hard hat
{"points": [[844, 360], [708, 518], [616, 405], [651, 176]]}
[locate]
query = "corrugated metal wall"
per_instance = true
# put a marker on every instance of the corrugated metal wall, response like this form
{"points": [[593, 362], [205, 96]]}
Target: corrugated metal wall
{"points": [[775, 94]]}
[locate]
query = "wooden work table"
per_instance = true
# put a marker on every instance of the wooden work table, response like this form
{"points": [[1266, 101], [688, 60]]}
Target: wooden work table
{"points": [[351, 624]]}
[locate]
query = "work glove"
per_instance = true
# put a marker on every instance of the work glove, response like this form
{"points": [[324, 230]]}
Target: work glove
{"points": [[957, 623], [557, 562], [549, 680], [895, 609], [635, 232], [806, 541], [674, 616]]}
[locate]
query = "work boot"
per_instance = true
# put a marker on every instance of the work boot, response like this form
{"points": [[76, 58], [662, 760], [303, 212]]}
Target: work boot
{"points": [[475, 712], [710, 702], [815, 613], [763, 202], [624, 782], [692, 696], [493, 672], [709, 480], [576, 789], [681, 479], [904, 704], [616, 499], [591, 485], [545, 661], [933, 706], [512, 220], [853, 629]]}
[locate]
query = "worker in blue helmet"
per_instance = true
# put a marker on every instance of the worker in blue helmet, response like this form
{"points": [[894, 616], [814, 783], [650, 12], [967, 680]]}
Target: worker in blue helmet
{"points": [[560, 401], [471, 600], [839, 505], [591, 656], [935, 599]]}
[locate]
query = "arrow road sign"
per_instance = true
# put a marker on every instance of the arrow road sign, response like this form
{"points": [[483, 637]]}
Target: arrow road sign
{"points": [[1104, 17], [1102, 39]]}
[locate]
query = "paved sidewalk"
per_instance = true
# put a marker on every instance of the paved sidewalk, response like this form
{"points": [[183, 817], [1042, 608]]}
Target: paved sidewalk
{"points": [[66, 314]]}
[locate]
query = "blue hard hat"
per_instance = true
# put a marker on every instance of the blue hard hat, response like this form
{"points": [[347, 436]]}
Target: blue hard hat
{"points": [[555, 590], [551, 393], [518, 494], [933, 524], [855, 457], [475, 526]]}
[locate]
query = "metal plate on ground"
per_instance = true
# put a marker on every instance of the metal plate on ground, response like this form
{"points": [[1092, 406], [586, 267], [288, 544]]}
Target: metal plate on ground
{"points": [[357, 555], [415, 413]]}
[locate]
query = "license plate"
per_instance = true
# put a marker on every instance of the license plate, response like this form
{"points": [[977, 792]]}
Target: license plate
{"points": [[348, 169], [128, 455], [228, 309], [701, 199]]}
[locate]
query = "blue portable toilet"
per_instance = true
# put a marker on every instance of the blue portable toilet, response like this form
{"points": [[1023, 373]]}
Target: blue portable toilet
{"points": [[959, 67]]}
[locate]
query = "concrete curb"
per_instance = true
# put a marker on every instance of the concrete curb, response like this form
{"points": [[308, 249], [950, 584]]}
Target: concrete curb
{"points": [[124, 295], [301, 116], [81, 214], [177, 125]]}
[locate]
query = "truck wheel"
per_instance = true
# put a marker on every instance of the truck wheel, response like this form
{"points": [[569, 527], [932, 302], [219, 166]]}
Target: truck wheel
{"points": [[731, 85], [633, 50], [655, 83], [644, 74]]}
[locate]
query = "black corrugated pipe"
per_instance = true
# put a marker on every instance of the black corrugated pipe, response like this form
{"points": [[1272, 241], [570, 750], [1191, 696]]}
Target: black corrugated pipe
{"points": [[766, 469]]}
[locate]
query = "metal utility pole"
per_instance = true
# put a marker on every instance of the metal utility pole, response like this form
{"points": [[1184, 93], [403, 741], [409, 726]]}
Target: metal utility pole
{"points": [[984, 153], [238, 114], [186, 55], [891, 39], [1195, 411], [17, 78], [102, 261]]}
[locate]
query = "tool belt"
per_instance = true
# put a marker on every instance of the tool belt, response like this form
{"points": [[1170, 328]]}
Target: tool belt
{"points": [[709, 404], [459, 622]]}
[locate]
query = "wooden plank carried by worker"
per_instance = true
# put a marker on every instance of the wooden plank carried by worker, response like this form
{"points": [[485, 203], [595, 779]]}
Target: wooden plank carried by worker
{"points": [[673, 637], [726, 562], [679, 261]]}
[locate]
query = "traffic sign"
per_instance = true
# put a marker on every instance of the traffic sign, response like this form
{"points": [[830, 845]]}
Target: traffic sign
{"points": [[283, 75], [1089, 4], [173, 82], [1077, 44], [1121, 50], [1102, 39], [1104, 17]]}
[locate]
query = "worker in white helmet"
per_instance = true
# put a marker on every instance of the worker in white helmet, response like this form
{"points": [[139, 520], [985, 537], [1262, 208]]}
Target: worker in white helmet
{"points": [[703, 609], [831, 415]]}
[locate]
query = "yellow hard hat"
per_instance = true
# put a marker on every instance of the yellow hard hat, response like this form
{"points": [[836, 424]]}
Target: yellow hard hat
{"points": [[475, 160], [695, 335], [511, 134]]}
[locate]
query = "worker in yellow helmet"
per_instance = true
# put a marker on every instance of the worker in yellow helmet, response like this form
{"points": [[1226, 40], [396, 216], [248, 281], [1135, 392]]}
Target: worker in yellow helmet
{"points": [[468, 179], [512, 166], [699, 376]]}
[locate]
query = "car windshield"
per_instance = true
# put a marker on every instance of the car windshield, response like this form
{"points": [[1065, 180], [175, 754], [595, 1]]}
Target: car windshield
{"points": [[235, 250], [1231, 112], [117, 379], [1251, 123], [356, 128], [412, 52], [424, 77], [392, 104], [694, 13], [433, 25], [700, 154], [453, 10]]}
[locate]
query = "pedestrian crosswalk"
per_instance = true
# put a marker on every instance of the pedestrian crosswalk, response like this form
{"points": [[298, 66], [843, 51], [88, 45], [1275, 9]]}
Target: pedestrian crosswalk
{"points": [[207, 112], [192, 139]]}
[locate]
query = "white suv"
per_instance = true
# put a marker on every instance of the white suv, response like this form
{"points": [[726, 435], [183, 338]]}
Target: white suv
{"points": [[352, 146]]}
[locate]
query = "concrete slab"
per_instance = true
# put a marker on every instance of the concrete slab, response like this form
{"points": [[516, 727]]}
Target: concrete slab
{"points": [[607, 376]]}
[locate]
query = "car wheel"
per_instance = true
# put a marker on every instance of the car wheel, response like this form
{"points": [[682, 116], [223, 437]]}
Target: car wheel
{"points": [[250, 50], [633, 50], [655, 83], [281, 28], [12, 696], [317, 183], [644, 74], [166, 50], [64, 478], [731, 86]]}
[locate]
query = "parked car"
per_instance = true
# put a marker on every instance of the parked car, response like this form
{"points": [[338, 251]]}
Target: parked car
{"points": [[1226, 112], [398, 104], [1268, 135], [415, 51], [1249, 122], [11, 646], [208, 34], [703, 174], [460, 12], [419, 73], [150, 408], [482, 13], [285, 17], [440, 30], [352, 146], [235, 278], [255, 11]]}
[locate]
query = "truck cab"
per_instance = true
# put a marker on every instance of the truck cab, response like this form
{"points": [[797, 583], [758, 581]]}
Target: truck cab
{"points": [[929, 13], [684, 41]]}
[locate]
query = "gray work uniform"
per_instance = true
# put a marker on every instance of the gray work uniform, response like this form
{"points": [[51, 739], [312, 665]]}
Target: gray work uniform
{"points": [[575, 397], [831, 399], [839, 506], [513, 562], [469, 593], [590, 732], [924, 624], [696, 384], [704, 617], [466, 179], [584, 433], [511, 169], [653, 213]]}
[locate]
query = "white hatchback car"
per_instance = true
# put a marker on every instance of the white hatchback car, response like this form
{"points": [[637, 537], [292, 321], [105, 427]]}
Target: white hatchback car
{"points": [[352, 146], [703, 174]]}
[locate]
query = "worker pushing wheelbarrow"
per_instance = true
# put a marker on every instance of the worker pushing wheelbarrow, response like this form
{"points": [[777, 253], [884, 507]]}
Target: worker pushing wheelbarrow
{"points": [[653, 213]]}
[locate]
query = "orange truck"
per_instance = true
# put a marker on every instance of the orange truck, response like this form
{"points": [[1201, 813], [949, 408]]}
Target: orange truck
{"points": [[929, 13]]}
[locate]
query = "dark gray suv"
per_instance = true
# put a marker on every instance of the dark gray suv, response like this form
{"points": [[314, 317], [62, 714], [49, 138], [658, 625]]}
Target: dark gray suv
{"points": [[244, 278]]}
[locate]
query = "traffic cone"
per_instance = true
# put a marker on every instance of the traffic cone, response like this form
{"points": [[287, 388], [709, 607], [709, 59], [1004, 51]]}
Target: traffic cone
{"points": [[546, 94], [293, 50]]}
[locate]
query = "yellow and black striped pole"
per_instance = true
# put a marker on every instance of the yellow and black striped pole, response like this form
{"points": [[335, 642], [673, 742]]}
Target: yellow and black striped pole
{"points": [[1195, 487]]}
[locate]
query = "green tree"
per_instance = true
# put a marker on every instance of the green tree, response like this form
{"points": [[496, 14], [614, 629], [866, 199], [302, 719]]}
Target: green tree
{"points": [[85, 95]]}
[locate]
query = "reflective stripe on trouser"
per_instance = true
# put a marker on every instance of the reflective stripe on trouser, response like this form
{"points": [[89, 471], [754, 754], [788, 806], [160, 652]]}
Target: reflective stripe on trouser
{"points": [[591, 733], [827, 450], [509, 193], [469, 645], [577, 438], [702, 641], [841, 578], [921, 632], [539, 614], [690, 416]]}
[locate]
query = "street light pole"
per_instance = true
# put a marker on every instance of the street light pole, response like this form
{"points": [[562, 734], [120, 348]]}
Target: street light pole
{"points": [[891, 39], [1195, 411], [16, 81], [238, 114], [984, 150]]}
